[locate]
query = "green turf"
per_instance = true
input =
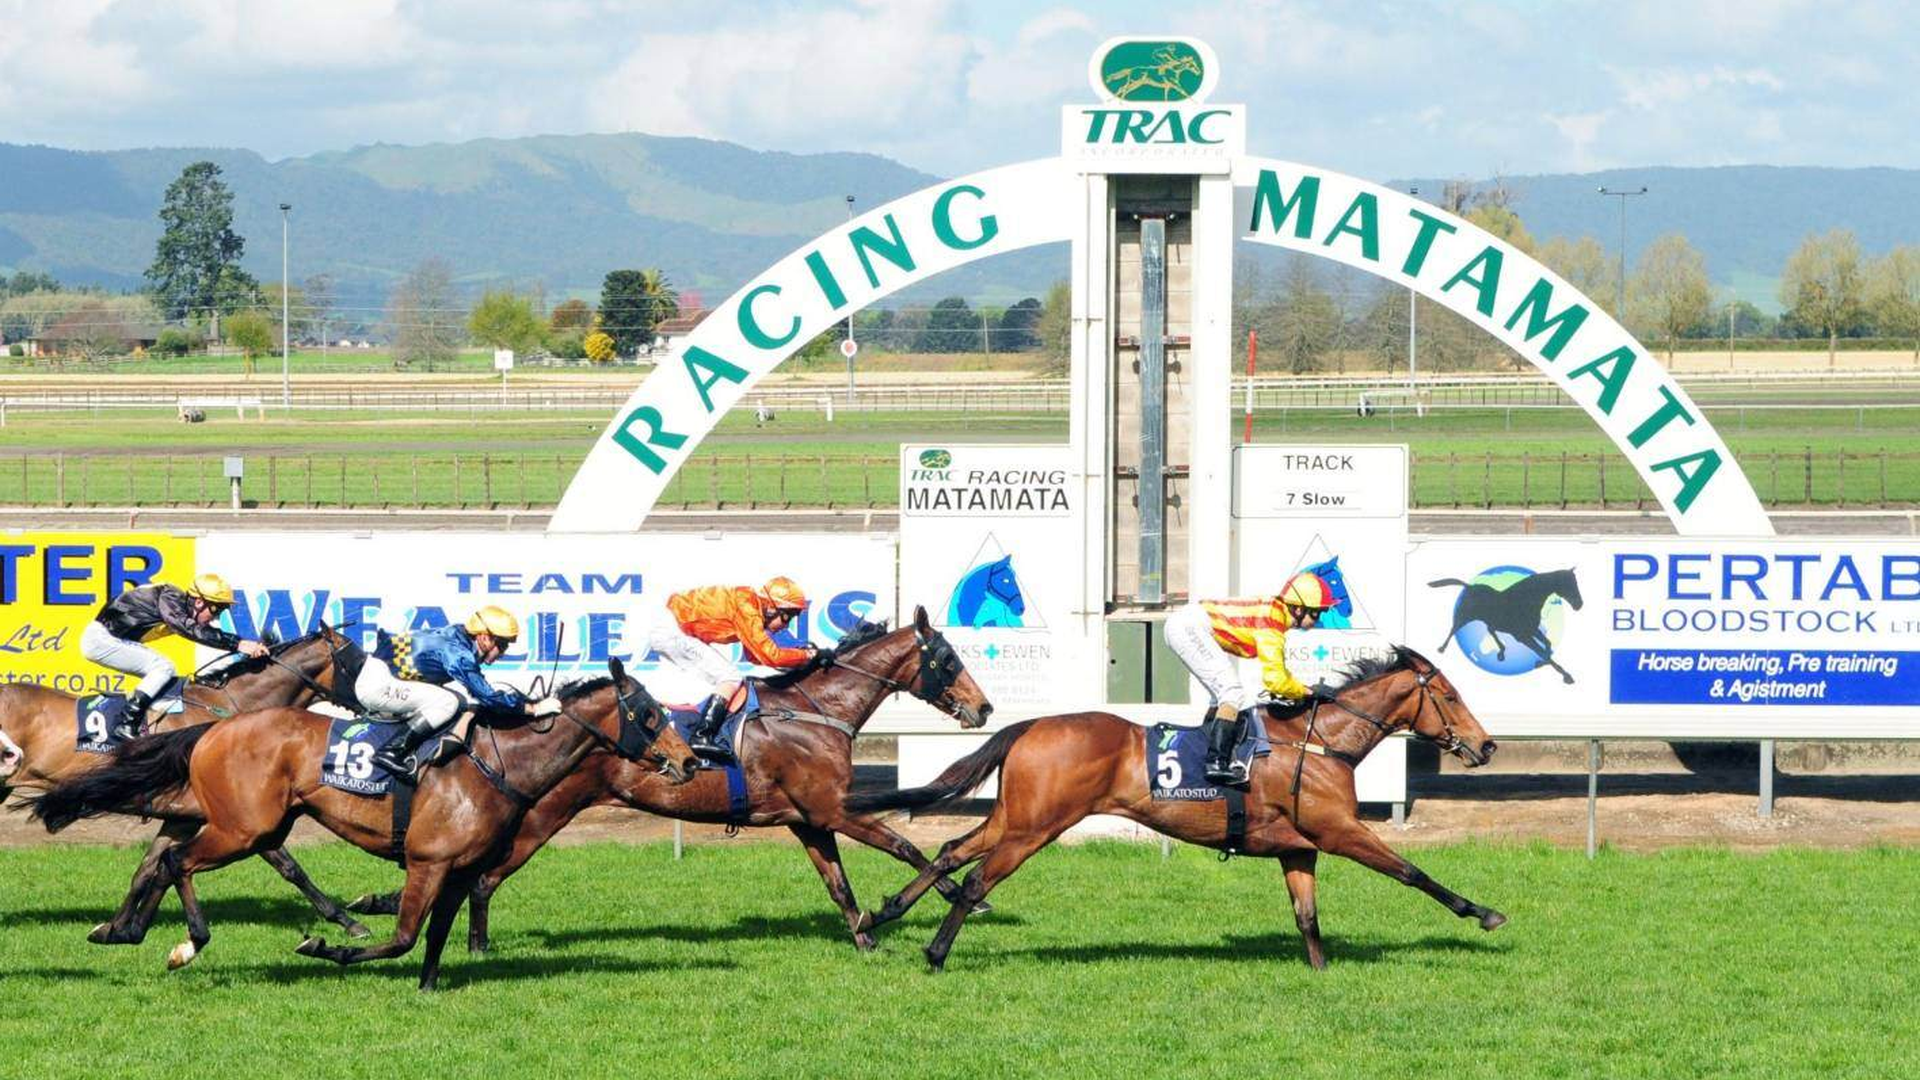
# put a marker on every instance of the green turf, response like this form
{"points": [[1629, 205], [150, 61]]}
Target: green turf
{"points": [[1836, 455], [1100, 960]]}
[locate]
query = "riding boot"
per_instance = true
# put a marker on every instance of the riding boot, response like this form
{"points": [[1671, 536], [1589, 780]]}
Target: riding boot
{"points": [[135, 718], [705, 740], [1224, 736], [397, 756]]}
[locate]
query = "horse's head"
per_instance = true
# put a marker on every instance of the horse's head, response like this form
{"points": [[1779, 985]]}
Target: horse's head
{"points": [[1439, 714], [1004, 586], [941, 680], [1568, 586], [626, 719]]}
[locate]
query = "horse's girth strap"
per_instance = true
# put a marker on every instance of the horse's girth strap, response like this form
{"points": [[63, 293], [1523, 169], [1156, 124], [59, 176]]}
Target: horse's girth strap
{"points": [[1318, 750], [821, 719]]}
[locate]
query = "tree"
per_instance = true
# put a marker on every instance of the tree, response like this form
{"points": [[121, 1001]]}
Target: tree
{"points": [[1670, 293], [505, 320], [252, 332], [1053, 331], [321, 297], [425, 321], [599, 346], [1586, 266], [951, 327], [196, 264], [27, 281], [1500, 220], [299, 325], [1893, 294], [1821, 285], [632, 303], [1305, 321], [572, 315], [1016, 332]]}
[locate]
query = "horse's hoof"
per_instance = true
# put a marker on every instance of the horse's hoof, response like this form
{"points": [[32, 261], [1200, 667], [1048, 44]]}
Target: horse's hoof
{"points": [[864, 942], [935, 962], [355, 930], [181, 956], [370, 904], [478, 948], [1492, 920], [311, 946], [101, 934], [982, 908]]}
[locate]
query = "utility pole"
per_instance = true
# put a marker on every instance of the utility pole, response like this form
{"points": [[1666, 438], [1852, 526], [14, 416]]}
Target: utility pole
{"points": [[286, 366], [851, 346], [1620, 287]]}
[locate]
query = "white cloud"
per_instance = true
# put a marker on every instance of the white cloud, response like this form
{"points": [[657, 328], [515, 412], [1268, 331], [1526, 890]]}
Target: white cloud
{"points": [[1047, 59], [1657, 89]]}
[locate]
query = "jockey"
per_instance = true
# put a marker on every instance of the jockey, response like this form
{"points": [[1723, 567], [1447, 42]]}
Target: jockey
{"points": [[408, 674], [698, 619], [1207, 634], [114, 639]]}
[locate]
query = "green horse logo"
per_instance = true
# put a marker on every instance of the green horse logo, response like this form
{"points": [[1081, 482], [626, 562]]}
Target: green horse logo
{"points": [[1152, 71], [935, 459]]}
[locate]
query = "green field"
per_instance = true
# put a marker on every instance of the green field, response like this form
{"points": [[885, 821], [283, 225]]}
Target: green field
{"points": [[1821, 455], [1100, 960]]}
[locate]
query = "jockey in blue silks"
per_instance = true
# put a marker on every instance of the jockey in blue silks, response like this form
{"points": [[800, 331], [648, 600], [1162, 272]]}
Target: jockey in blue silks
{"points": [[408, 675]]}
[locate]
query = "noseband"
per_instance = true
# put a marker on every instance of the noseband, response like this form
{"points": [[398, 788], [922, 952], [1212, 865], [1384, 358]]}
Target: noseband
{"points": [[939, 669], [641, 722], [1449, 740]]}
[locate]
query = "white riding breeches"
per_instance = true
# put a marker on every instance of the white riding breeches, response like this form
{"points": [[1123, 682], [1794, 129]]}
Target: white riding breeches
{"points": [[419, 704], [128, 657], [659, 631], [1189, 633]]}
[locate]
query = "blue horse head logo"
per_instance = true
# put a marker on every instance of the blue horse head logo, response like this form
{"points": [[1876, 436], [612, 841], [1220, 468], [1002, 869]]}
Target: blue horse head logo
{"points": [[989, 595], [1340, 615]]}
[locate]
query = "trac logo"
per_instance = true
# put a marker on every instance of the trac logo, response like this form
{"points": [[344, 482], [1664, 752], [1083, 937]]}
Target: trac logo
{"points": [[1509, 619], [936, 459], [1152, 69]]}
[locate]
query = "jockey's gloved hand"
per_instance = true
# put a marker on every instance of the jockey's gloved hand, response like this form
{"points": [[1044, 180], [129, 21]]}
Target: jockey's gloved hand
{"points": [[547, 706], [253, 649]]}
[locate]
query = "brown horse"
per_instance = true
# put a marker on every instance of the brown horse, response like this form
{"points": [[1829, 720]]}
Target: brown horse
{"points": [[252, 777], [1056, 770], [797, 771], [294, 673]]}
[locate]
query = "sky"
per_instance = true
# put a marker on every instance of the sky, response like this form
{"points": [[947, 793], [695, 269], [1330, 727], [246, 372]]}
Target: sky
{"points": [[1380, 89]]}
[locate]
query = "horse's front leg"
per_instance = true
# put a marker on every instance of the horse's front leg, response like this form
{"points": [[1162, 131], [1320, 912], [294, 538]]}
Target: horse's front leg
{"points": [[424, 884], [1306, 914], [876, 834], [824, 850], [325, 906], [126, 928], [1357, 842]]}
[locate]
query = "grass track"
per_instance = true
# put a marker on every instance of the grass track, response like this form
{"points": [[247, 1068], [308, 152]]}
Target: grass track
{"points": [[1101, 960]]}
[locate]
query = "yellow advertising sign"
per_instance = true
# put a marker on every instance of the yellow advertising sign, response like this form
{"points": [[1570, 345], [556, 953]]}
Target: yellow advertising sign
{"points": [[52, 585]]}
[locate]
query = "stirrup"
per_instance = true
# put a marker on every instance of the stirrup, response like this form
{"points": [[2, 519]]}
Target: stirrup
{"points": [[402, 767], [1232, 774], [126, 732]]}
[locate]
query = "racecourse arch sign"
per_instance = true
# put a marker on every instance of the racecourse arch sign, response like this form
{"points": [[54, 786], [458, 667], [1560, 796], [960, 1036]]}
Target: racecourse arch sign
{"points": [[1153, 118]]}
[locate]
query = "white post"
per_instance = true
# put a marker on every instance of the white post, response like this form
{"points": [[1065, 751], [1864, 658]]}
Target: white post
{"points": [[286, 367], [1593, 795], [1766, 778]]}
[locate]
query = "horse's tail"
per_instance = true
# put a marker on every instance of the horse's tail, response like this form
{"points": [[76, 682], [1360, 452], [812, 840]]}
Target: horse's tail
{"points": [[954, 784], [136, 773], [1447, 581]]}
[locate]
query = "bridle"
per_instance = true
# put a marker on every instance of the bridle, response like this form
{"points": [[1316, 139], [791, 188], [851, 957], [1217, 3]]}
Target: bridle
{"points": [[1449, 740], [939, 670], [642, 721]]}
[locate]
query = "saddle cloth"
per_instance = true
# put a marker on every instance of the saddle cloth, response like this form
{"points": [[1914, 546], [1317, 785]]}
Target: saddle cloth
{"points": [[95, 716], [686, 717], [347, 760], [1177, 760]]}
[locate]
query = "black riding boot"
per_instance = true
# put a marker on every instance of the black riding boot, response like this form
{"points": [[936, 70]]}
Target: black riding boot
{"points": [[397, 756], [1221, 740], [707, 731], [135, 717]]}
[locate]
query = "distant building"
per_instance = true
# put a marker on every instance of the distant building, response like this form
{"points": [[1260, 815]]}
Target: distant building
{"points": [[93, 331], [669, 333]]}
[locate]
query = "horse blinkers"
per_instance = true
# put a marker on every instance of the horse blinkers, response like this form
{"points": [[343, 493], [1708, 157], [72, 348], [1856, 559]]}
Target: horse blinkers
{"points": [[641, 720], [940, 669]]}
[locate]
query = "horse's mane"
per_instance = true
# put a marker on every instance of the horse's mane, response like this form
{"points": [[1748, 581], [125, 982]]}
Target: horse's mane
{"points": [[1373, 667], [250, 664], [579, 688], [864, 633]]}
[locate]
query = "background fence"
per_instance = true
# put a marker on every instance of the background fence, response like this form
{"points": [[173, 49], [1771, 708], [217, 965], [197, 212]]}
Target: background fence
{"points": [[1807, 477]]}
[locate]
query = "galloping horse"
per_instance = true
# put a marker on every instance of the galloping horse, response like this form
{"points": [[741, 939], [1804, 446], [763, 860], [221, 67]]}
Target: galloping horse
{"points": [[253, 776], [797, 771], [1059, 769], [294, 673], [1515, 612]]}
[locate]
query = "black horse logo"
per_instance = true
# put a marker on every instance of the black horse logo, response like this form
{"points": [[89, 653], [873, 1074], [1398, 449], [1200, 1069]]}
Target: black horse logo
{"points": [[1514, 611]]}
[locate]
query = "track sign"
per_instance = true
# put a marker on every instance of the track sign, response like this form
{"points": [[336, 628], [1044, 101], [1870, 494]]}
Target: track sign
{"points": [[503, 359], [849, 347]]}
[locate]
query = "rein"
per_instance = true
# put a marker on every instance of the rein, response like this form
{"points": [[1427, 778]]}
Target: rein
{"points": [[938, 672], [1424, 681]]}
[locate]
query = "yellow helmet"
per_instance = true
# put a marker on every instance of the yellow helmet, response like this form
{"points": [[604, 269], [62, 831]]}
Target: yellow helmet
{"points": [[783, 594], [494, 620], [1307, 590], [213, 589]]}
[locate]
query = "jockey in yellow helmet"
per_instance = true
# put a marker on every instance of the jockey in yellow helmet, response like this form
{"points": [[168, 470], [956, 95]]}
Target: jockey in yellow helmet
{"points": [[116, 637], [1207, 634], [698, 619], [408, 674]]}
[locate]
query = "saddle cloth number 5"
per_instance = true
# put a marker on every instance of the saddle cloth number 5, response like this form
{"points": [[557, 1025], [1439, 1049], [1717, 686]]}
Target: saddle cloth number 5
{"points": [[1169, 767], [350, 758]]}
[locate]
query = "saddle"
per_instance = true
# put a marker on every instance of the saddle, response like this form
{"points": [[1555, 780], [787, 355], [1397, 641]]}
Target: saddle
{"points": [[1177, 758], [685, 717], [98, 715], [347, 762]]}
